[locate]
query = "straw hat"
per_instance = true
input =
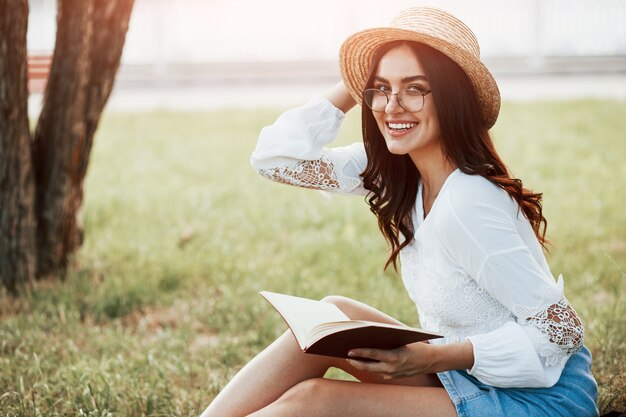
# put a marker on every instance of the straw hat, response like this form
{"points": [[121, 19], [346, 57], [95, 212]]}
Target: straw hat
{"points": [[432, 27]]}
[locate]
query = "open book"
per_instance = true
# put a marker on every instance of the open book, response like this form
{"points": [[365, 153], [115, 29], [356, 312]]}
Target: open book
{"points": [[323, 329]]}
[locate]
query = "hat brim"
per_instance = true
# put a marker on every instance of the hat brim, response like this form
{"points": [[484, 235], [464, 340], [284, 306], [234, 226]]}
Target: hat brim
{"points": [[355, 57]]}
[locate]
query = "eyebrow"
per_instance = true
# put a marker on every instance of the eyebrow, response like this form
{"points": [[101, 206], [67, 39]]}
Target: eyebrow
{"points": [[405, 79]]}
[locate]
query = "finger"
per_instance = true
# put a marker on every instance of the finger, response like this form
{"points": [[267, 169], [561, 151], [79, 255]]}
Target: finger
{"points": [[360, 365], [379, 355], [382, 368], [374, 367]]}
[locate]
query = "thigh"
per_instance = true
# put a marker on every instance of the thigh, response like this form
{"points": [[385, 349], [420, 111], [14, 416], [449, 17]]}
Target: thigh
{"points": [[357, 310], [325, 397]]}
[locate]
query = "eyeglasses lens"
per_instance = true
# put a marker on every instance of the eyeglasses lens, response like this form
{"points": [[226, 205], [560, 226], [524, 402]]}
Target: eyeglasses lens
{"points": [[377, 100]]}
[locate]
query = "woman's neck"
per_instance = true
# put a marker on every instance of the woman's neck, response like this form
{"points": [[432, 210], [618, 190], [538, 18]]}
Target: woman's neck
{"points": [[434, 169]]}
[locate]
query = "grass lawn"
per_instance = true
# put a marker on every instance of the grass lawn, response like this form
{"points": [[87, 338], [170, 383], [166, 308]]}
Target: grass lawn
{"points": [[161, 306]]}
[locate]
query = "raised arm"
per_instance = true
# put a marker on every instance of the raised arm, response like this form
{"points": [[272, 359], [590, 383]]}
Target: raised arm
{"points": [[292, 150], [340, 98]]}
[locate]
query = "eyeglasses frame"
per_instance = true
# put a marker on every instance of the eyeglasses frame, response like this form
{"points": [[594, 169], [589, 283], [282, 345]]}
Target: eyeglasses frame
{"points": [[397, 99]]}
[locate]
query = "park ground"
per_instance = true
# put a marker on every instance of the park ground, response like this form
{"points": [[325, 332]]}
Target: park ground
{"points": [[161, 308]]}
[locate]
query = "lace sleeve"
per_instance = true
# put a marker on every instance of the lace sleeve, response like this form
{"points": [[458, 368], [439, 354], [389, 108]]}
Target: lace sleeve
{"points": [[537, 302], [317, 174], [554, 327], [546, 331], [335, 170], [293, 150]]}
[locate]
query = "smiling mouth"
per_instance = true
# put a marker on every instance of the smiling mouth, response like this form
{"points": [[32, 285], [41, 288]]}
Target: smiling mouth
{"points": [[400, 127]]}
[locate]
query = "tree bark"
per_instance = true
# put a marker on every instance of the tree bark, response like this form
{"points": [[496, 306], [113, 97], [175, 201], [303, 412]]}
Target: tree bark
{"points": [[59, 137], [17, 217], [89, 43], [110, 20], [41, 181]]}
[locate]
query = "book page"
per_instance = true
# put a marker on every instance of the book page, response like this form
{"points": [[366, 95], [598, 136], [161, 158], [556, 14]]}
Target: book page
{"points": [[303, 314], [324, 330]]}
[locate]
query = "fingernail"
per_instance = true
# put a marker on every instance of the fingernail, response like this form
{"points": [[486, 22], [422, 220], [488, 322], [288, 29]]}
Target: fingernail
{"points": [[351, 354]]}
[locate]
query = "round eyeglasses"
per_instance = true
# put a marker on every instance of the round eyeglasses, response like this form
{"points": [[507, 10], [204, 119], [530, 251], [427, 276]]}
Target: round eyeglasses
{"points": [[410, 99]]}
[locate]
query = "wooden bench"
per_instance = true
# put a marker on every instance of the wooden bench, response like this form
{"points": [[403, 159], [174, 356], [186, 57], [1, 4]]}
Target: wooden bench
{"points": [[38, 71]]}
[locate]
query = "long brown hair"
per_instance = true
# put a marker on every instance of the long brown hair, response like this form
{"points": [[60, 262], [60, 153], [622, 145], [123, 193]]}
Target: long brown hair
{"points": [[393, 179]]}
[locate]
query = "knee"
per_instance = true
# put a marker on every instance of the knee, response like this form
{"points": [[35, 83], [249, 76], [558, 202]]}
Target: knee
{"points": [[302, 398], [345, 304]]}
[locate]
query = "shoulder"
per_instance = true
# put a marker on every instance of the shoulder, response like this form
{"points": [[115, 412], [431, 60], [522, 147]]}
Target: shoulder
{"points": [[477, 218], [465, 189], [476, 193], [474, 200]]}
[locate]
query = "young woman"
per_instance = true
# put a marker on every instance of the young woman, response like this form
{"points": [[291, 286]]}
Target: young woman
{"points": [[468, 235]]}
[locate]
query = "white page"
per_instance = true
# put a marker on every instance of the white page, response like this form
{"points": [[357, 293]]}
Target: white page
{"points": [[304, 314]]}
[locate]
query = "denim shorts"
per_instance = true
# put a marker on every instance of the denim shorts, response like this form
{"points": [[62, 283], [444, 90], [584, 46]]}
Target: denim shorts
{"points": [[574, 395]]}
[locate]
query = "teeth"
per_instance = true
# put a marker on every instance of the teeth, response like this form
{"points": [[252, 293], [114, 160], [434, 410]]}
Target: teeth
{"points": [[399, 126]]}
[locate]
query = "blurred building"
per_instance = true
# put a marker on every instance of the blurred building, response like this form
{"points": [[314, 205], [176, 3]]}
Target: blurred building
{"points": [[219, 43], [175, 32]]}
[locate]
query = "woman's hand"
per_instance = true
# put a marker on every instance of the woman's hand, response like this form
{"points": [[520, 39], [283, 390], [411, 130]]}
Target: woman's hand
{"points": [[339, 96], [413, 359]]}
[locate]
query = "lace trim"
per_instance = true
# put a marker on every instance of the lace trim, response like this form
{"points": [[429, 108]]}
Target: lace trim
{"points": [[562, 328], [452, 304], [309, 174], [320, 174], [558, 330]]}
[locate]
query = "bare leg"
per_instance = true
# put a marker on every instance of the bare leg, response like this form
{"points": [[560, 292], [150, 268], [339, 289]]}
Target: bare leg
{"points": [[327, 397], [282, 366], [360, 311], [266, 377]]}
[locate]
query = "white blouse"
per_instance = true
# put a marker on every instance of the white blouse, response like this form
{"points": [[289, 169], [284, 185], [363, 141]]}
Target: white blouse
{"points": [[474, 268]]}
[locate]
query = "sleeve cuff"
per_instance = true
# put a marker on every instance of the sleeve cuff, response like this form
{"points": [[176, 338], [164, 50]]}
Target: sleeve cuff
{"points": [[506, 358]]}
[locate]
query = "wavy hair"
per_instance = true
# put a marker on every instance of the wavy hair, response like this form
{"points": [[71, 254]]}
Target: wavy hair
{"points": [[393, 179]]}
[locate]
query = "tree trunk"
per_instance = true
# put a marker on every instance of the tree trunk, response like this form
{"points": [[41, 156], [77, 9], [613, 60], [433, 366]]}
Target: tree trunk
{"points": [[60, 136], [89, 42], [17, 217], [110, 18], [41, 181]]}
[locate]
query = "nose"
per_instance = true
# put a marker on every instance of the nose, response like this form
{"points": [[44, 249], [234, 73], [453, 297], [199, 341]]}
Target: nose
{"points": [[393, 105]]}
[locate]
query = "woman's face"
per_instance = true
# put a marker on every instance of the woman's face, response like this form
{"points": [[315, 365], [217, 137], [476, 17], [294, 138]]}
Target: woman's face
{"points": [[412, 133]]}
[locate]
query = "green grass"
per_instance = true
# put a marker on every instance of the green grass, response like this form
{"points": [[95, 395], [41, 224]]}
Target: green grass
{"points": [[161, 306]]}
